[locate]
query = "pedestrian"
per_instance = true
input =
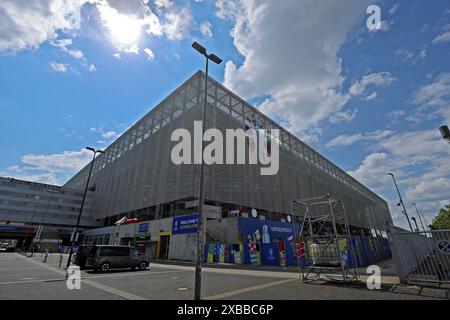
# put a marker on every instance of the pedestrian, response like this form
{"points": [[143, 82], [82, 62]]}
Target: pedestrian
{"points": [[45, 255]]}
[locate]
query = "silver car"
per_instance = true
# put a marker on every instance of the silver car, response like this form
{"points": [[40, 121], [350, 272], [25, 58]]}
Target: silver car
{"points": [[106, 257]]}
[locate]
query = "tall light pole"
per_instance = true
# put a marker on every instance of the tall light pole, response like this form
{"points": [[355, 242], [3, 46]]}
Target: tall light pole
{"points": [[41, 227], [31, 223], [201, 197], [418, 214], [401, 201], [415, 222], [75, 231]]}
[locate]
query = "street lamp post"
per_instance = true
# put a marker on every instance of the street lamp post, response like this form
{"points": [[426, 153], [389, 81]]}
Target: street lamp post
{"points": [[201, 198], [41, 227], [75, 232], [26, 230], [415, 222], [401, 201], [420, 219]]}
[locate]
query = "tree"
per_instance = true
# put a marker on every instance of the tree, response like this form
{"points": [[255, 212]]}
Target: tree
{"points": [[442, 219]]}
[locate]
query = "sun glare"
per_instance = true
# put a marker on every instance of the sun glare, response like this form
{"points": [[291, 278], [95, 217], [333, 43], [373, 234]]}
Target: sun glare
{"points": [[124, 29]]}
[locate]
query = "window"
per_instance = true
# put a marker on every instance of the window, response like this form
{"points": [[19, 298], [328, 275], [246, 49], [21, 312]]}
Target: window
{"points": [[115, 251]]}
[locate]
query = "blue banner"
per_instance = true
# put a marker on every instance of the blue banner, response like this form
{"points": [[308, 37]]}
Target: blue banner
{"points": [[143, 227], [265, 231], [185, 224], [270, 254]]}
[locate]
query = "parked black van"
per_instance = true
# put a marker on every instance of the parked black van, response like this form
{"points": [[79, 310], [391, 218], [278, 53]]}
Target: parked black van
{"points": [[106, 257]]}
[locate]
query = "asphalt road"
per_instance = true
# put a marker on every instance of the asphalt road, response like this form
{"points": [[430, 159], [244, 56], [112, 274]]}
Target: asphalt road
{"points": [[29, 278]]}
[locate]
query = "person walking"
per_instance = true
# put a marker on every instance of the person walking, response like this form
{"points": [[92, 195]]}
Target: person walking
{"points": [[46, 255]]}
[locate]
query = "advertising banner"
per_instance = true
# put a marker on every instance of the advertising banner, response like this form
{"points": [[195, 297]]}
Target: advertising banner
{"points": [[270, 255], [265, 231], [185, 224]]}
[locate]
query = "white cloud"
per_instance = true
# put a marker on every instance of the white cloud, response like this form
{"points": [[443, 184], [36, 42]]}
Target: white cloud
{"points": [[27, 24], [380, 79], [436, 93], [150, 54], [177, 21], [49, 168], [397, 114], [407, 56], [394, 8], [48, 178], [105, 134], [92, 68], [133, 49], [290, 51], [372, 171], [67, 161], [347, 140], [206, 29], [433, 99], [58, 67], [341, 116], [109, 134], [372, 96], [77, 54], [431, 190], [443, 37], [403, 153]]}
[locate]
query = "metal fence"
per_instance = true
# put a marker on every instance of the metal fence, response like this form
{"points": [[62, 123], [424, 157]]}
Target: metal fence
{"points": [[422, 257]]}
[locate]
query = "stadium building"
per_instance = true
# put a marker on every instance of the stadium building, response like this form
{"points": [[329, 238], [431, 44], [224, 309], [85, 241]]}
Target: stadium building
{"points": [[136, 179]]}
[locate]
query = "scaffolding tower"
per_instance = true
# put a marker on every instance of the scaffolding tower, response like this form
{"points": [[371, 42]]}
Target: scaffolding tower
{"points": [[325, 234]]}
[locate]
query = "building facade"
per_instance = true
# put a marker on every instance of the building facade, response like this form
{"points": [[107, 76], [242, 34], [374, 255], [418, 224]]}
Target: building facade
{"points": [[135, 177], [25, 206]]}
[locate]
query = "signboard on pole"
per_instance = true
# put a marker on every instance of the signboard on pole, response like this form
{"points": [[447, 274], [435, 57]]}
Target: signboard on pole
{"points": [[211, 212]]}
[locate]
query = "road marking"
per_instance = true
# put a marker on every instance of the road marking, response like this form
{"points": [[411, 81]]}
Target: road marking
{"points": [[254, 273], [30, 281], [245, 290], [114, 291], [131, 273], [14, 269]]}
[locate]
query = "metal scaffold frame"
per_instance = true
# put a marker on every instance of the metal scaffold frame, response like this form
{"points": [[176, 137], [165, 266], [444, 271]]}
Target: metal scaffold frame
{"points": [[324, 255]]}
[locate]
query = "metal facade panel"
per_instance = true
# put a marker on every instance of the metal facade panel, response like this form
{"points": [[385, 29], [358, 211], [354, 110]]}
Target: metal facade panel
{"points": [[136, 170]]}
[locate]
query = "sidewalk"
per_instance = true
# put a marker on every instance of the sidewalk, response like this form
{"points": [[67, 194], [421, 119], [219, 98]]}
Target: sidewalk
{"points": [[387, 267], [390, 284]]}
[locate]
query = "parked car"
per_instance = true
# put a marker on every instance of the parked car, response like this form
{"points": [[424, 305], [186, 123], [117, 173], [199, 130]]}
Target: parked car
{"points": [[82, 254], [106, 257]]}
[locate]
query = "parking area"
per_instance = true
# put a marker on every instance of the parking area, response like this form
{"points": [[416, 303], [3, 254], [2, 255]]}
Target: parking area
{"points": [[23, 277]]}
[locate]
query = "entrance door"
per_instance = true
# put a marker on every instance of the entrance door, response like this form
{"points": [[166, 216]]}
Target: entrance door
{"points": [[164, 244]]}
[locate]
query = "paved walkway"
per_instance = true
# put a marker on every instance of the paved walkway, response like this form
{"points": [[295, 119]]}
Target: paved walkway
{"points": [[30, 278]]}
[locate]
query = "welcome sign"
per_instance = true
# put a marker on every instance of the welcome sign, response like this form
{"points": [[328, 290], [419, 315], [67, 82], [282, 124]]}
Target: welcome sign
{"points": [[185, 224]]}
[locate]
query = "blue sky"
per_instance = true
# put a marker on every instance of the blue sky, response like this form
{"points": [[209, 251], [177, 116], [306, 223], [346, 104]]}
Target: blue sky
{"points": [[77, 73]]}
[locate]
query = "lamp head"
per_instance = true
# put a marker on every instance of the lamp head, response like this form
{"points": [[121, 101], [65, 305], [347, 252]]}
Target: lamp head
{"points": [[215, 58], [445, 132], [197, 46]]}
